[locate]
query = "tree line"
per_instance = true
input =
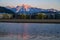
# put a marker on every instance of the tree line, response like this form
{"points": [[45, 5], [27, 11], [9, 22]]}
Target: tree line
{"points": [[38, 16]]}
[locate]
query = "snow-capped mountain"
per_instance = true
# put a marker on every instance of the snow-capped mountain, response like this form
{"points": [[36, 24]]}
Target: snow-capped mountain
{"points": [[26, 9]]}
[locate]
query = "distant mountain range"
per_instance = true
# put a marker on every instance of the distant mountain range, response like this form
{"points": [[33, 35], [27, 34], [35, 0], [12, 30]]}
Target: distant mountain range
{"points": [[25, 9]]}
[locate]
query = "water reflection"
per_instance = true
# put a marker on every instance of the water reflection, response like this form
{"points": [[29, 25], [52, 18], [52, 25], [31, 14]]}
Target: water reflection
{"points": [[29, 31]]}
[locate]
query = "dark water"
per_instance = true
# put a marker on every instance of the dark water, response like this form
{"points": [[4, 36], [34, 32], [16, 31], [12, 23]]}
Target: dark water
{"points": [[29, 31]]}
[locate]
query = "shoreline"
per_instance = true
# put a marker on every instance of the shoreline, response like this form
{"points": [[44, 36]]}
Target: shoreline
{"points": [[30, 20]]}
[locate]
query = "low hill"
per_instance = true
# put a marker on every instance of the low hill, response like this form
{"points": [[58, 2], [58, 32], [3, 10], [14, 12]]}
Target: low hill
{"points": [[5, 10]]}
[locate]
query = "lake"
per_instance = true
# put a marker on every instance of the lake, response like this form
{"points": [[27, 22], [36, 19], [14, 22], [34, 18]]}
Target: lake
{"points": [[29, 31]]}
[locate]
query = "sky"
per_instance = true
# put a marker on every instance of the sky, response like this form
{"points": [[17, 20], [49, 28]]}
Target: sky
{"points": [[46, 4]]}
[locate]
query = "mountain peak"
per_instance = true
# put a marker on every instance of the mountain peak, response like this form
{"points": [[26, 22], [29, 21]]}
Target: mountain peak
{"points": [[26, 6]]}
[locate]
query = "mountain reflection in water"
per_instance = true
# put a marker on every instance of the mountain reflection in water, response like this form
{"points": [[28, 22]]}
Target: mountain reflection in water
{"points": [[29, 31]]}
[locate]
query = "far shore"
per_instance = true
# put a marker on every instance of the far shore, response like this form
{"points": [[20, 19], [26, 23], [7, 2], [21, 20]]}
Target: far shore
{"points": [[30, 20]]}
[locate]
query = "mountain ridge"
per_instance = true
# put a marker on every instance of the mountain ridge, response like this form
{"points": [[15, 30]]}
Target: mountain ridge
{"points": [[26, 9]]}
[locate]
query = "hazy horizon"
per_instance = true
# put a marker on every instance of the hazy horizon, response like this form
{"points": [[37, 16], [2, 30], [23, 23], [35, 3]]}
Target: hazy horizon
{"points": [[45, 4]]}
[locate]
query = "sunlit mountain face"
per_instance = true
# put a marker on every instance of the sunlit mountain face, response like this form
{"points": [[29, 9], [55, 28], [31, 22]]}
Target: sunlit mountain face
{"points": [[25, 6]]}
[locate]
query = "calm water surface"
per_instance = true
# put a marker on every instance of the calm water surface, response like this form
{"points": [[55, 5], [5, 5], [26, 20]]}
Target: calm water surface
{"points": [[29, 31]]}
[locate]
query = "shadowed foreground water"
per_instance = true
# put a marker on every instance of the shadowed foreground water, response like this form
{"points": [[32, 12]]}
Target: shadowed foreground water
{"points": [[29, 31]]}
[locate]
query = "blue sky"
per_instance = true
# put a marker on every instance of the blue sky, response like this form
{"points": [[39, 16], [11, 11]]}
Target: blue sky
{"points": [[36, 3]]}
